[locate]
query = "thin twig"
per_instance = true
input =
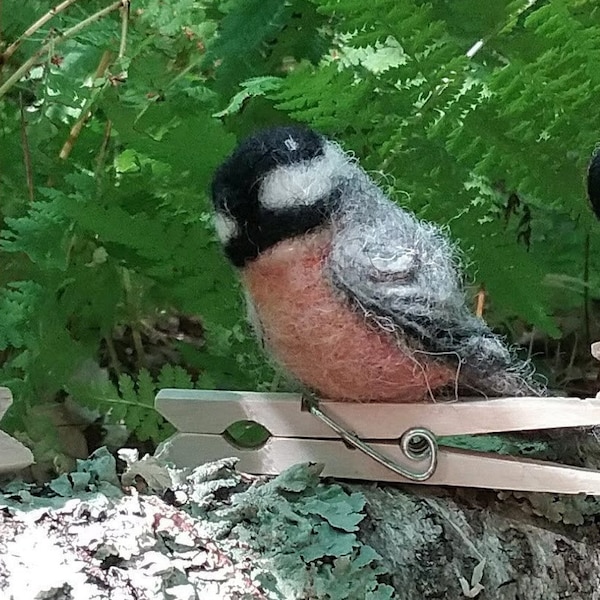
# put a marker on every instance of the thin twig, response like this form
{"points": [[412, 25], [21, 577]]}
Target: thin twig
{"points": [[183, 73], [480, 303], [113, 357], [102, 154], [478, 45], [138, 345], [100, 71], [124, 25], [557, 356], [30, 62], [33, 28], [573, 354], [134, 323], [458, 524], [530, 346], [86, 112], [26, 152], [586, 289]]}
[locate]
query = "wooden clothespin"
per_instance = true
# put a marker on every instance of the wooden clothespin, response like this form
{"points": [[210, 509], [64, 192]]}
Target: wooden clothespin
{"points": [[378, 442], [13, 454]]}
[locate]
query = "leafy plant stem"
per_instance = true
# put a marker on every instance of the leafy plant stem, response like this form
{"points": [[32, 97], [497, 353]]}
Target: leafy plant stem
{"points": [[33, 28], [26, 152], [119, 401], [135, 331], [31, 61]]}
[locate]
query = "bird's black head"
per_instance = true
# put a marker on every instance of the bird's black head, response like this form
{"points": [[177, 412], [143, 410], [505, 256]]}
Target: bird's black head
{"points": [[277, 184]]}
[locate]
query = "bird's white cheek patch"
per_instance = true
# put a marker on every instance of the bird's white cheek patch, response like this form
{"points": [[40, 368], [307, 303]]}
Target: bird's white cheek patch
{"points": [[226, 227], [305, 183]]}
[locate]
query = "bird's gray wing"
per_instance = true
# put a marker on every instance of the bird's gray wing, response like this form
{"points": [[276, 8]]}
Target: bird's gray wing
{"points": [[403, 274]]}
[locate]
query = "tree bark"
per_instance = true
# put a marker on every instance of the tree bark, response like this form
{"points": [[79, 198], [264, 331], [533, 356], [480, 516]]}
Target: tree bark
{"points": [[432, 538], [293, 537]]}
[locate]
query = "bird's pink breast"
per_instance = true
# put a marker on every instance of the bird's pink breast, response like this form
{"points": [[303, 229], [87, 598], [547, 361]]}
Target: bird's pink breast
{"points": [[323, 341]]}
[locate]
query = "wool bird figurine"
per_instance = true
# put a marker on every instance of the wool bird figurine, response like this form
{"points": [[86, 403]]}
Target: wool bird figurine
{"points": [[353, 296]]}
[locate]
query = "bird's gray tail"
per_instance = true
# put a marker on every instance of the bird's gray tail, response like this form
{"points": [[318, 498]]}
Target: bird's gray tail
{"points": [[490, 368]]}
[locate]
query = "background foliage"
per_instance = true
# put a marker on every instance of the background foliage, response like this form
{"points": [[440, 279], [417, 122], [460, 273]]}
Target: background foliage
{"points": [[114, 116]]}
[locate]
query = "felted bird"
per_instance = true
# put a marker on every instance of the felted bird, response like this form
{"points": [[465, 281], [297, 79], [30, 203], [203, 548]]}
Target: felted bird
{"points": [[355, 297]]}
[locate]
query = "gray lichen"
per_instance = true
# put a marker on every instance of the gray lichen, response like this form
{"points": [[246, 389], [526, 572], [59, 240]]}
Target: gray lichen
{"points": [[233, 537], [306, 534]]}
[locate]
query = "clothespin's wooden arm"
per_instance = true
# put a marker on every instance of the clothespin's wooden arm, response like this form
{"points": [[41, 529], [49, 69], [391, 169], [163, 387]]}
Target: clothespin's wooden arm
{"points": [[13, 454]]}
